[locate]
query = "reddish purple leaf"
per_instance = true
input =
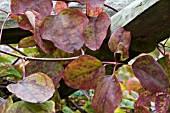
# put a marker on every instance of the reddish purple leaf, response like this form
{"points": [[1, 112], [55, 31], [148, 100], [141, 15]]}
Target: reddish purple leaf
{"points": [[92, 2], [96, 31], [44, 7], [36, 88], [65, 30], [145, 98], [52, 69], [119, 42], [150, 74], [59, 6], [108, 95], [83, 73], [162, 103], [93, 11], [22, 20]]}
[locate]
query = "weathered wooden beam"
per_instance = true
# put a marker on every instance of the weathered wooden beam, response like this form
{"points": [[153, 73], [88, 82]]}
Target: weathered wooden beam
{"points": [[148, 21]]}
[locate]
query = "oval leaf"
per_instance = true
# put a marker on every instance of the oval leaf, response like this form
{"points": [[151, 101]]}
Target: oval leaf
{"points": [[162, 103], [52, 69], [36, 88], [108, 95], [96, 31], [83, 72], [25, 107], [119, 42], [65, 30], [150, 74], [14, 72], [44, 7]]}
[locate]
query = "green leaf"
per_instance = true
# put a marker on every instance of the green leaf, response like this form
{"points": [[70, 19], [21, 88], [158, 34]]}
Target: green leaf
{"points": [[4, 60], [66, 109], [108, 95], [83, 72], [119, 42], [165, 63], [25, 107], [36, 88], [4, 105], [150, 74], [88, 108], [14, 72], [127, 104]]}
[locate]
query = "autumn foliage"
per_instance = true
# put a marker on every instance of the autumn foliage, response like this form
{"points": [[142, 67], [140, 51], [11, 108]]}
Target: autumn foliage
{"points": [[65, 33]]}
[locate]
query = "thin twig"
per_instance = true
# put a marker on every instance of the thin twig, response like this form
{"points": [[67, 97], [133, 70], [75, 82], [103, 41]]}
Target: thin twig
{"points": [[2, 27], [16, 50], [166, 41], [15, 61], [160, 50], [110, 7], [4, 11], [39, 59]]}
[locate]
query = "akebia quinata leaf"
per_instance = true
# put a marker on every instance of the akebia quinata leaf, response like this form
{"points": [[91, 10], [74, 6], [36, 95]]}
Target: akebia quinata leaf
{"points": [[36, 88], [119, 42], [83, 73], [96, 31], [65, 30], [150, 74], [26, 107], [108, 95]]}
